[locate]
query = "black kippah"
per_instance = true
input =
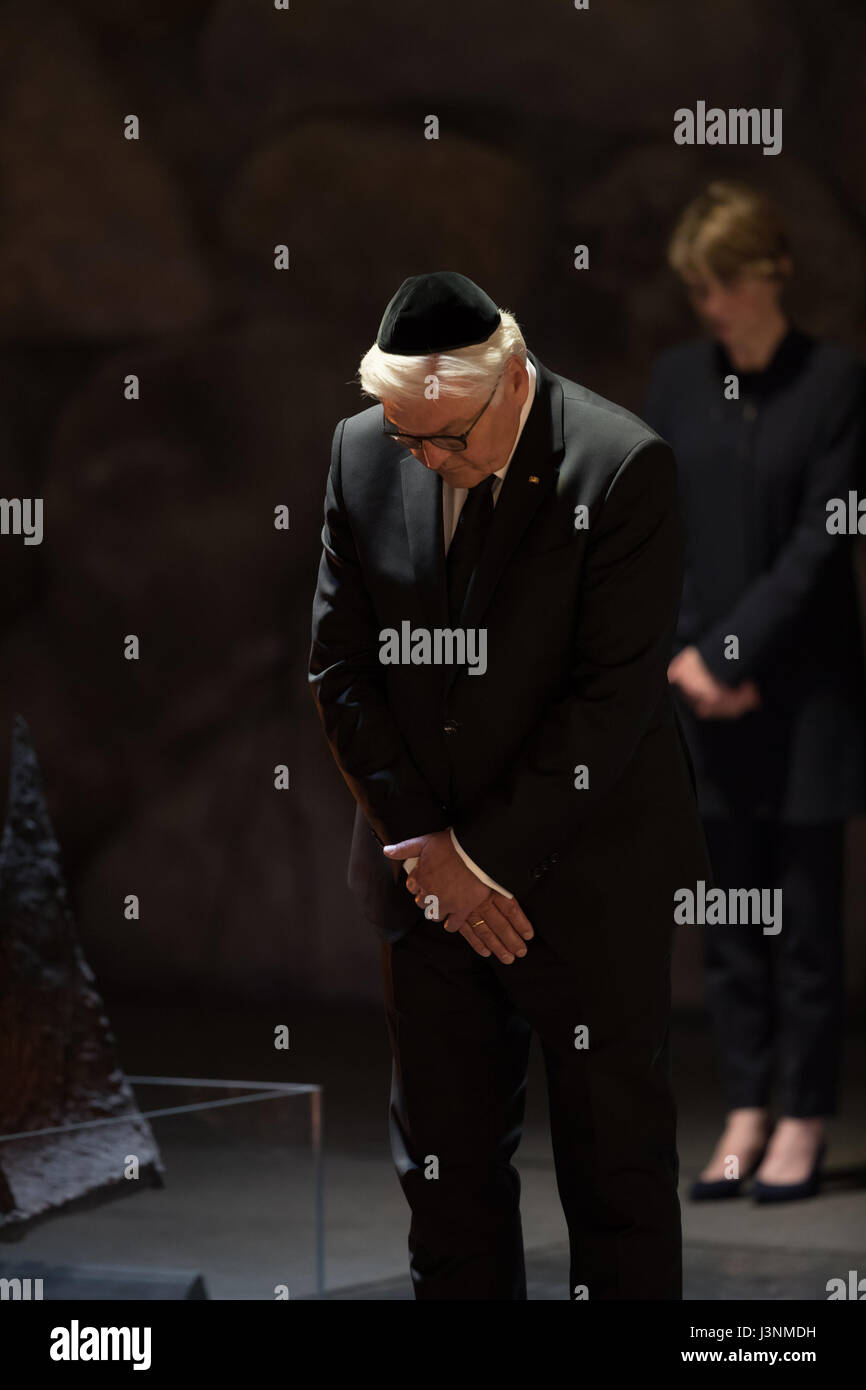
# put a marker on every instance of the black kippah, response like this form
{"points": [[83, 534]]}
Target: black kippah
{"points": [[437, 313]]}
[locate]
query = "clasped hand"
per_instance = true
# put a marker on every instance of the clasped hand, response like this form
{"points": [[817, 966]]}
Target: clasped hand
{"points": [[710, 698], [448, 891]]}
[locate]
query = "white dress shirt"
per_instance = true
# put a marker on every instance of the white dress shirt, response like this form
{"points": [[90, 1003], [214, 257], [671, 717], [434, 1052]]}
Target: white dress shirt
{"points": [[452, 503]]}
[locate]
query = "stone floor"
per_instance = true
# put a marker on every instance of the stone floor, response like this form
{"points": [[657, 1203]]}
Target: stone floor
{"points": [[710, 1272], [238, 1207]]}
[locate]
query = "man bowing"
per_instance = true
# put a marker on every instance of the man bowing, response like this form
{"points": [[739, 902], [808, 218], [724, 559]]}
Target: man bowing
{"points": [[522, 823]]}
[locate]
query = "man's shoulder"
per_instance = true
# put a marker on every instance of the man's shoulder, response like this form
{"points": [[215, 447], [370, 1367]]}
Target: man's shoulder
{"points": [[601, 423], [365, 426]]}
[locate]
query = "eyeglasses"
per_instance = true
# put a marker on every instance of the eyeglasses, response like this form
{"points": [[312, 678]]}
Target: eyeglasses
{"points": [[453, 442]]}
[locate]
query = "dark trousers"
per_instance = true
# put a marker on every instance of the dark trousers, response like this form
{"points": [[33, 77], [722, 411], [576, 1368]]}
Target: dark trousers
{"points": [[460, 1027], [776, 1002]]}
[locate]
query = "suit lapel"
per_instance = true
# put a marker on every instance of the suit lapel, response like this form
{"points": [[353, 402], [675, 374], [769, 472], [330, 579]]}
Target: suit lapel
{"points": [[530, 476]]}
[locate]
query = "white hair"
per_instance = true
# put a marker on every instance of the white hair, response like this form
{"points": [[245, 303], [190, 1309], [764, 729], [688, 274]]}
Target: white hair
{"points": [[463, 372]]}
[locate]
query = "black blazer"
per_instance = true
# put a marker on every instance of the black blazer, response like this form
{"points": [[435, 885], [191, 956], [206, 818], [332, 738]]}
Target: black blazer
{"points": [[755, 475], [579, 626]]}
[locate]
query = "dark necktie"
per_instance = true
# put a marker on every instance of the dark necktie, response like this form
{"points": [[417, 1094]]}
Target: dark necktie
{"points": [[467, 542]]}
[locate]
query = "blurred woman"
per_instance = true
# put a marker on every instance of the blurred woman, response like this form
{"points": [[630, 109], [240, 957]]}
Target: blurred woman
{"points": [[767, 423]]}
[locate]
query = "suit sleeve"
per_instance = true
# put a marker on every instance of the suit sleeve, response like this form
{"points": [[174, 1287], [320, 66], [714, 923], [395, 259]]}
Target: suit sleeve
{"points": [[770, 608], [348, 687], [477, 871], [628, 604]]}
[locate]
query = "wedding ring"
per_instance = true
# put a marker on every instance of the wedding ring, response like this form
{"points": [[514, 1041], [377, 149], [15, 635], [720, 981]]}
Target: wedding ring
{"points": [[480, 923]]}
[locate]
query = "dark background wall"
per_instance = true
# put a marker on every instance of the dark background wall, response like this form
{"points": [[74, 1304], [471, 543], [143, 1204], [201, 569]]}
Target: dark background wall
{"points": [[155, 257]]}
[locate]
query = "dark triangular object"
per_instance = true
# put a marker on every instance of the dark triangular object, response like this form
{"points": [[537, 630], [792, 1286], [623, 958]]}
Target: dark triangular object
{"points": [[58, 1063]]}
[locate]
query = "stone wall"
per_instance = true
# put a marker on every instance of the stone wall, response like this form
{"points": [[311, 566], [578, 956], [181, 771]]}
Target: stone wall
{"points": [[155, 257]]}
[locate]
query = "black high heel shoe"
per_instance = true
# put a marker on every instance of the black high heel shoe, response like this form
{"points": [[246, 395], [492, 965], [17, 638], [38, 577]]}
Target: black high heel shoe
{"points": [[792, 1191], [709, 1190]]}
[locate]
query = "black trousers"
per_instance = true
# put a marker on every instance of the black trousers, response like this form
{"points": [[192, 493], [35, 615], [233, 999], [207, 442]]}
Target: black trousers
{"points": [[776, 1002], [460, 1027]]}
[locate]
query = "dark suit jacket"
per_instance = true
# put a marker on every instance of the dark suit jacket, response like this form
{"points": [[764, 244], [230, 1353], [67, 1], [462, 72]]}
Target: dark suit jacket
{"points": [[579, 628], [755, 475]]}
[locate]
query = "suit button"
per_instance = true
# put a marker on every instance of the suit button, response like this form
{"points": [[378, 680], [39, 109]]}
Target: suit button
{"points": [[554, 859], [450, 726], [537, 871]]}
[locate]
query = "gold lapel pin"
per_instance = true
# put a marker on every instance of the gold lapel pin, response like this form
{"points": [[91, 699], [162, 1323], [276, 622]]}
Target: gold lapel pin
{"points": [[534, 478]]}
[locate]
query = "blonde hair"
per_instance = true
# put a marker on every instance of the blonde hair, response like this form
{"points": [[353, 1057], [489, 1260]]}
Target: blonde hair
{"points": [[463, 372], [730, 229]]}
